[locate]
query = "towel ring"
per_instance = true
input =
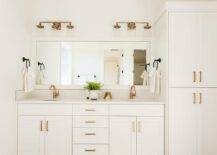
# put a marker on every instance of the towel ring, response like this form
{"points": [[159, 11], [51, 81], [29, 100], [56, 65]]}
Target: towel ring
{"points": [[41, 66]]}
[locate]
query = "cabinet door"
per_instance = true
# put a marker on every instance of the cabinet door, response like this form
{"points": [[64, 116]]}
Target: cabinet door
{"points": [[184, 41], [208, 122], [183, 122], [122, 136], [208, 52], [58, 137], [150, 136], [30, 136]]}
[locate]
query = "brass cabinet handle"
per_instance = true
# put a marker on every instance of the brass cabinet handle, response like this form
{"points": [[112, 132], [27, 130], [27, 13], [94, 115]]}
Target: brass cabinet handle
{"points": [[47, 126], [200, 101], [90, 134], [41, 125], [90, 122], [200, 76], [90, 150], [139, 127], [90, 110], [133, 127], [194, 98], [194, 76]]}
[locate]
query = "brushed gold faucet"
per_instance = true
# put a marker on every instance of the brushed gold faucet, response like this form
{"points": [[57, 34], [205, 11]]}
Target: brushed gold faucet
{"points": [[56, 92], [132, 92]]}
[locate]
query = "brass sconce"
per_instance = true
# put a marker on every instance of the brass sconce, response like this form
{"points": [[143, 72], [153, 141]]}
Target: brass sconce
{"points": [[56, 25], [132, 25]]}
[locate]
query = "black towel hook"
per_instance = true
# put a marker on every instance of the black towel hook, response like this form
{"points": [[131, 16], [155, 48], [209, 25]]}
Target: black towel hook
{"points": [[146, 66], [41, 66], [27, 61], [156, 61]]}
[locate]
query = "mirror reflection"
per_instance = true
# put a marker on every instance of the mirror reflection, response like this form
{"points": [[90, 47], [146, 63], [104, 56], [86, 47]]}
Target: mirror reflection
{"points": [[75, 63]]}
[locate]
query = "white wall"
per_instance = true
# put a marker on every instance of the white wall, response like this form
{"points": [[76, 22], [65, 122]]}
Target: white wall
{"points": [[93, 19], [13, 45]]}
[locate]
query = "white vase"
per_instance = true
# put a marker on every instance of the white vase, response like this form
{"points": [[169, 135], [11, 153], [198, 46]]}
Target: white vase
{"points": [[94, 94]]}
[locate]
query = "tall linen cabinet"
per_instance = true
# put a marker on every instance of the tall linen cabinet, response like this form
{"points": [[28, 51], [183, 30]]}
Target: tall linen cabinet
{"points": [[186, 39]]}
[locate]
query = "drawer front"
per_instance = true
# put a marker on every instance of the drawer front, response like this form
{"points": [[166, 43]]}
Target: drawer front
{"points": [[90, 135], [90, 110], [137, 110], [45, 109], [90, 150], [90, 121]]}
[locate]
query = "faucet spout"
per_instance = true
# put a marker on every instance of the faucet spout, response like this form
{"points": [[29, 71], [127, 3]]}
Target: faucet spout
{"points": [[55, 91], [132, 92]]}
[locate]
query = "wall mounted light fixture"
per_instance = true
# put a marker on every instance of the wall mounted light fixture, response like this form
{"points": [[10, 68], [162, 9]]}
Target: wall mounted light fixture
{"points": [[56, 25], [132, 25]]}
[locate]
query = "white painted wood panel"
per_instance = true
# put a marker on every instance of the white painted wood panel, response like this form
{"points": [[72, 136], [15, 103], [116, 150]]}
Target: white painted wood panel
{"points": [[58, 137], [30, 136], [89, 109], [123, 136], [91, 121], [90, 149], [150, 136]]}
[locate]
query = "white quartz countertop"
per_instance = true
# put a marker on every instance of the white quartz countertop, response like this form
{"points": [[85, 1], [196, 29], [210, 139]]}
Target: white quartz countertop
{"points": [[85, 101]]}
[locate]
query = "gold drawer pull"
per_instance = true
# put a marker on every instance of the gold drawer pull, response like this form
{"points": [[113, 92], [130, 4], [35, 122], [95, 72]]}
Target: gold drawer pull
{"points": [[194, 98], [46, 125], [90, 134], [90, 110], [90, 122], [41, 125], [200, 102], [200, 73], [194, 76], [90, 150]]}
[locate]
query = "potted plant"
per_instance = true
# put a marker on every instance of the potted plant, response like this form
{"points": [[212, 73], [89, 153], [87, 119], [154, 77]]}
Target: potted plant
{"points": [[93, 88]]}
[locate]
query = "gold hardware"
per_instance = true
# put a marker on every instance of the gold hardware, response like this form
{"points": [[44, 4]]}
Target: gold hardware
{"points": [[139, 126], [132, 25], [90, 110], [200, 80], [132, 92], [41, 125], [90, 150], [108, 96], [194, 76], [47, 125], [56, 92], [56, 25], [194, 98], [90, 122], [133, 126], [200, 101], [90, 134]]}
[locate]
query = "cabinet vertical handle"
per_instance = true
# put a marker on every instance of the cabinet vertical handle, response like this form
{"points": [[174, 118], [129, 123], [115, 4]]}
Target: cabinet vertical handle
{"points": [[133, 126], [200, 94], [200, 76], [41, 125], [47, 124], [194, 98], [194, 76], [139, 127]]}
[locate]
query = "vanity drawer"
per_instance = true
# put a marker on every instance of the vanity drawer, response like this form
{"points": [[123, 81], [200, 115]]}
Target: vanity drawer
{"points": [[90, 135], [137, 110], [90, 109], [90, 121], [90, 150], [45, 109]]}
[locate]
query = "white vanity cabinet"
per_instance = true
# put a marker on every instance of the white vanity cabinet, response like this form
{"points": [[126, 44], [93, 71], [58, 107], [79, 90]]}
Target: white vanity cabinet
{"points": [[137, 129], [192, 45], [42, 131], [193, 121], [90, 129]]}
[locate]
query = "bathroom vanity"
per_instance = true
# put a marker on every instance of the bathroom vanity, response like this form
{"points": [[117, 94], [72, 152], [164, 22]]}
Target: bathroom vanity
{"points": [[116, 127]]}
